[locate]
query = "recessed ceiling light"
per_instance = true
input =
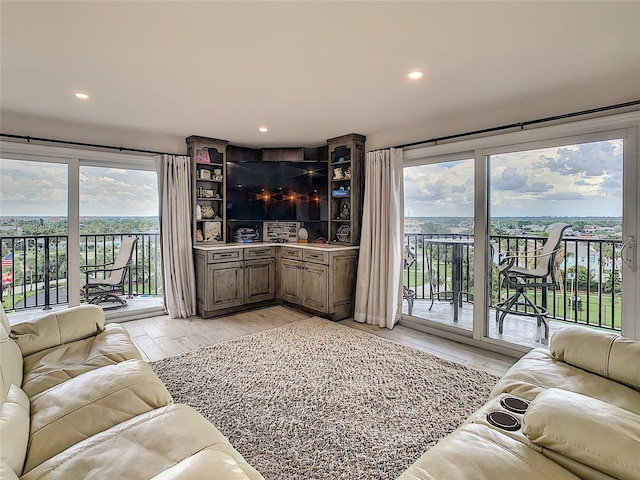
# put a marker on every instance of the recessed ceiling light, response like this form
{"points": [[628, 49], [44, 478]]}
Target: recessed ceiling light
{"points": [[263, 129], [81, 96], [416, 74]]}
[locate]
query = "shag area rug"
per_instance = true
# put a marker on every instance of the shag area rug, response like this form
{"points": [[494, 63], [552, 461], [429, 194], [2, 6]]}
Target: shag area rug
{"points": [[317, 400]]}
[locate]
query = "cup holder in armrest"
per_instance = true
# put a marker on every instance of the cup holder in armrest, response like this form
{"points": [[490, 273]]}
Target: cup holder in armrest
{"points": [[503, 420], [514, 404]]}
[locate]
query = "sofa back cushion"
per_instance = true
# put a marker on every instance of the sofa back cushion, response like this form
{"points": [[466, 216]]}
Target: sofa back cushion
{"points": [[11, 363], [58, 328], [14, 429], [606, 354], [586, 430]]}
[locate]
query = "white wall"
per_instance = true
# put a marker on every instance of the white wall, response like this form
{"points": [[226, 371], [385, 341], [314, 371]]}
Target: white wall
{"points": [[565, 100], [21, 124]]}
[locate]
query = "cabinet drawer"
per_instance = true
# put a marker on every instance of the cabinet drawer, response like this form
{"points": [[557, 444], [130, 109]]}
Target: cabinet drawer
{"points": [[291, 253], [262, 252], [224, 255], [316, 256]]}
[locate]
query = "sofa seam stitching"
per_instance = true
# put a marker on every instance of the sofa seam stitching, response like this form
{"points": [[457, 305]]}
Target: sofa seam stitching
{"points": [[88, 402], [508, 450], [585, 449], [99, 442]]}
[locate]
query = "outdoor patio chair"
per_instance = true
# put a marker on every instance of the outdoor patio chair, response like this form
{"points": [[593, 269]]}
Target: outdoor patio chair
{"points": [[520, 278], [105, 283], [407, 293]]}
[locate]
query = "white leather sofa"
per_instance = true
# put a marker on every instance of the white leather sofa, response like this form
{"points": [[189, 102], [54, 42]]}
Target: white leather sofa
{"points": [[581, 417], [78, 402]]}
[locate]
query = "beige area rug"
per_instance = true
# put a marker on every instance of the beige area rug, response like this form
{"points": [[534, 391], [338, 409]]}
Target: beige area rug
{"points": [[317, 400]]}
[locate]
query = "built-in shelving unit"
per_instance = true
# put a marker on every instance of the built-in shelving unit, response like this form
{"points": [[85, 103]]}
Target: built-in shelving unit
{"points": [[208, 157], [346, 188]]}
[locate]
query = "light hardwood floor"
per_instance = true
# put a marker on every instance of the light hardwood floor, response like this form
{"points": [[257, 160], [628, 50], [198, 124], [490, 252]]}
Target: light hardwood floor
{"points": [[160, 337]]}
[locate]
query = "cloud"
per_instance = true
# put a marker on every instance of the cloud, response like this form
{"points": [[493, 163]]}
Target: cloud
{"points": [[586, 159], [37, 188], [510, 179]]}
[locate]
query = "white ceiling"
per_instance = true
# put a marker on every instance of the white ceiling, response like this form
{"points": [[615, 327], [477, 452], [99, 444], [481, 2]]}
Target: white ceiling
{"points": [[307, 70]]}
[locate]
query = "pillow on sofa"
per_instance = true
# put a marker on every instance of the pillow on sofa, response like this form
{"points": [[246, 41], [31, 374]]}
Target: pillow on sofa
{"points": [[606, 354], [58, 328], [587, 430], [14, 429]]}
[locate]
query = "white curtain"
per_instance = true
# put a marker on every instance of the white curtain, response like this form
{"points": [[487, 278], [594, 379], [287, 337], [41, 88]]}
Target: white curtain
{"points": [[379, 285], [174, 187]]}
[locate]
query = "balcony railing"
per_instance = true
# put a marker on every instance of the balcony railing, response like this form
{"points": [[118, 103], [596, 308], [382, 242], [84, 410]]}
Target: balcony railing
{"points": [[589, 275], [35, 267]]}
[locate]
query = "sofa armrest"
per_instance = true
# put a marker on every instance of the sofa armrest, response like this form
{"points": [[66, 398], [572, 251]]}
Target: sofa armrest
{"points": [[589, 431], [58, 328], [606, 354]]}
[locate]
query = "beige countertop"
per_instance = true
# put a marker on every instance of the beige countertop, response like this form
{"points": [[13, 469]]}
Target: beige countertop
{"points": [[309, 246]]}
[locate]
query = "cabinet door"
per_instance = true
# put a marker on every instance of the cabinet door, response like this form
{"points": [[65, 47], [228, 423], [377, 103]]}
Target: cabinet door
{"points": [[291, 281], [226, 286], [315, 283], [260, 280]]}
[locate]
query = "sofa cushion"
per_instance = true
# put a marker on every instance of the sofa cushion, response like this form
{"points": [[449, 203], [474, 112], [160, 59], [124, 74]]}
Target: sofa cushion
{"points": [[50, 367], [589, 431], [4, 320], [14, 429], [91, 403], [58, 328], [606, 354], [140, 448], [482, 453], [205, 464], [10, 363], [6, 473], [537, 371]]}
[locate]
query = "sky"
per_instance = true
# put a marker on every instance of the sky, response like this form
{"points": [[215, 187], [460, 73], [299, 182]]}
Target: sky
{"points": [[574, 181], [39, 188]]}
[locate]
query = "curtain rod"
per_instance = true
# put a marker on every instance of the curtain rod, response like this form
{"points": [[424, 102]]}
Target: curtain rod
{"points": [[521, 125], [80, 144]]}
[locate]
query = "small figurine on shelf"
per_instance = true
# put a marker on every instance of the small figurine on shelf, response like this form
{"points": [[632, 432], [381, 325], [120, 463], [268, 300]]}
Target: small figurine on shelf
{"points": [[345, 212], [347, 174], [217, 174], [202, 155], [199, 236], [337, 173], [207, 211], [198, 212]]}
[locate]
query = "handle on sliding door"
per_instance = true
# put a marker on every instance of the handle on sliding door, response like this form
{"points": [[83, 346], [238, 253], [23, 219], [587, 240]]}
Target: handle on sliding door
{"points": [[629, 252]]}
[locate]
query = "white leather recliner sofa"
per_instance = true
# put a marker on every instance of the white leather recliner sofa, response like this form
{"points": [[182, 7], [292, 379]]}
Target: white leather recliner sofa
{"points": [[78, 402], [568, 413]]}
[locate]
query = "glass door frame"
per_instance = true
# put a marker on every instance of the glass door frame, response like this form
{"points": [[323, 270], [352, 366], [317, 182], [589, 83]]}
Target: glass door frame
{"points": [[626, 126], [74, 159]]}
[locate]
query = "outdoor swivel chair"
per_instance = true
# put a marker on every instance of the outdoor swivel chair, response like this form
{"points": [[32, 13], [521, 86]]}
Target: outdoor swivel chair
{"points": [[515, 274], [104, 283]]}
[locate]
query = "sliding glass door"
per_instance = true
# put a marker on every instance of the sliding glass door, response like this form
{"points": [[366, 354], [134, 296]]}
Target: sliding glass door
{"points": [[439, 226], [480, 221], [533, 194], [62, 210], [33, 232]]}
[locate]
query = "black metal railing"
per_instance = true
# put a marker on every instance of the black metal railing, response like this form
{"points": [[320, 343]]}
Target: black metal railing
{"points": [[589, 274], [35, 268]]}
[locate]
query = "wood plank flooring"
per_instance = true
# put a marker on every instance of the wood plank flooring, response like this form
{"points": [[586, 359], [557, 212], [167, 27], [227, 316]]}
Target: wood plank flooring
{"points": [[160, 337]]}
